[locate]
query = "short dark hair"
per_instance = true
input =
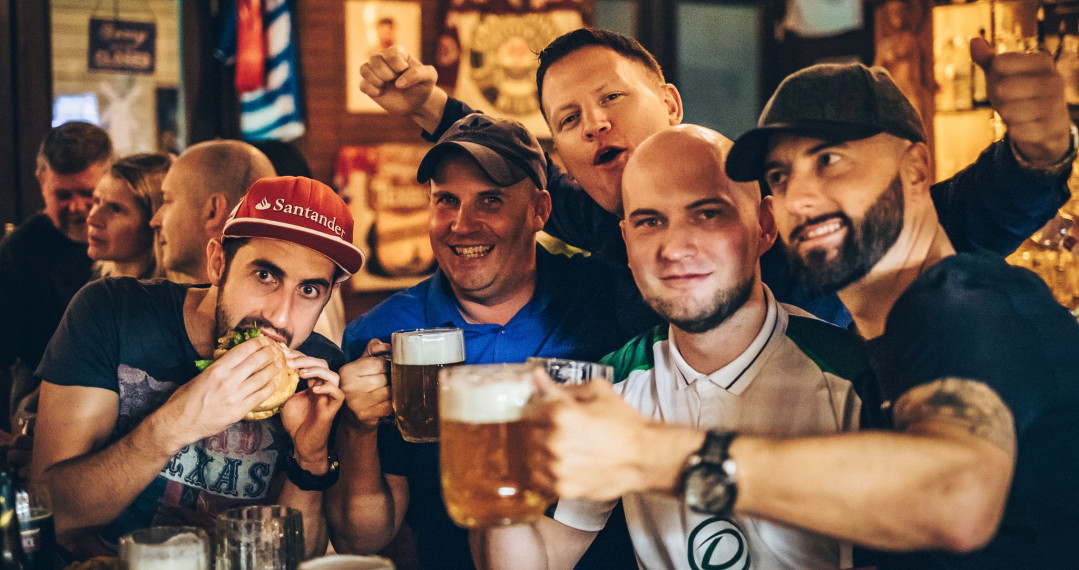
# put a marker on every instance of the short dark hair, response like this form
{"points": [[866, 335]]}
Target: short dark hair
{"points": [[73, 147], [230, 245], [581, 38]]}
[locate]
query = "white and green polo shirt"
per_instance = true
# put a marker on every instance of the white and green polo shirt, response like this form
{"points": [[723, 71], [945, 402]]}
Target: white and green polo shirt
{"points": [[796, 378]]}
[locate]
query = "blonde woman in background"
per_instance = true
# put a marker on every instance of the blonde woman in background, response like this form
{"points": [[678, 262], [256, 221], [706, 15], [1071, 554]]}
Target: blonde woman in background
{"points": [[120, 238]]}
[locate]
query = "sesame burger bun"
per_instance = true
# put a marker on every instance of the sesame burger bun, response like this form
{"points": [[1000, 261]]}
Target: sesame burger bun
{"points": [[286, 380]]}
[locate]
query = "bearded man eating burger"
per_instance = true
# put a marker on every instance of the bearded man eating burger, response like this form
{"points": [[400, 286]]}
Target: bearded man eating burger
{"points": [[131, 434]]}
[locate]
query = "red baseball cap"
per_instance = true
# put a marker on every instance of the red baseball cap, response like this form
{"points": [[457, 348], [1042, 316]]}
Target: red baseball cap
{"points": [[301, 211]]}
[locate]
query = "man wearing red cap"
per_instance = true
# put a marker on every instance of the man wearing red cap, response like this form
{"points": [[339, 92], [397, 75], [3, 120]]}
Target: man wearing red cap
{"points": [[131, 434]]}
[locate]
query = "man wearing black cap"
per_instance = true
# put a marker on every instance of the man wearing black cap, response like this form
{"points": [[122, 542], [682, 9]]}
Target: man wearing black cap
{"points": [[138, 426], [511, 298], [602, 94], [972, 356]]}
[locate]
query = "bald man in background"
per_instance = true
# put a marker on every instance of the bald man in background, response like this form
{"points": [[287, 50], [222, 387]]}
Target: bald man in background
{"points": [[200, 190]]}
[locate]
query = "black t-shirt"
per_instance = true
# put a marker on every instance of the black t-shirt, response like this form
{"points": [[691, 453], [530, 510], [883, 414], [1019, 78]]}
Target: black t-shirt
{"points": [[40, 271], [976, 317], [129, 337]]}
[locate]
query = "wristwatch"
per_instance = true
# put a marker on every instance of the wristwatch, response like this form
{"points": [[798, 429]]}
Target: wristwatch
{"points": [[709, 476], [308, 481]]}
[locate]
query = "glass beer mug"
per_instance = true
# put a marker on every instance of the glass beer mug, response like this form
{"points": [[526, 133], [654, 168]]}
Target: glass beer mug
{"points": [[418, 355], [485, 476]]}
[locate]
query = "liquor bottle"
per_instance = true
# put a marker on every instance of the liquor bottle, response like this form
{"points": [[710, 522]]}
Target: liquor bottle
{"points": [[11, 553]]}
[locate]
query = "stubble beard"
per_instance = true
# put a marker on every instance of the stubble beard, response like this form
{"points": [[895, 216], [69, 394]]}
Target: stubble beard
{"points": [[724, 303]]}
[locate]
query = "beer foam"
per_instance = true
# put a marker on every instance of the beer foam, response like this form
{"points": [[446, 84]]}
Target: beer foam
{"points": [[429, 346], [490, 403]]}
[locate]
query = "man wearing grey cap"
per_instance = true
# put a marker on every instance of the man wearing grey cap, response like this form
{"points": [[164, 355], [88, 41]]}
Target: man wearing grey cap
{"points": [[511, 298], [969, 468]]}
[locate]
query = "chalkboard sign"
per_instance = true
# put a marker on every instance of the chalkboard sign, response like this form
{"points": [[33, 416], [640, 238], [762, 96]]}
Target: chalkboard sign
{"points": [[117, 45]]}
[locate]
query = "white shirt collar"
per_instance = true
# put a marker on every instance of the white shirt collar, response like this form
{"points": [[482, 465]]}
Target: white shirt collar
{"points": [[736, 376]]}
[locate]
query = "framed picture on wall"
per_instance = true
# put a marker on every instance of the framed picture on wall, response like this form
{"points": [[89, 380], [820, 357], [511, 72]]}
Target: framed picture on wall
{"points": [[486, 54], [390, 210], [371, 26]]}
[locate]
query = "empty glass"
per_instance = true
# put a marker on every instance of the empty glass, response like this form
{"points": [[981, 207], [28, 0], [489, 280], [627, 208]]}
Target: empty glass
{"points": [[259, 538], [566, 371]]}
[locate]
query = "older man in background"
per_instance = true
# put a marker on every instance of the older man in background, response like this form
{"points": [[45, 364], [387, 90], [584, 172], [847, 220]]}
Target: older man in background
{"points": [[44, 262]]}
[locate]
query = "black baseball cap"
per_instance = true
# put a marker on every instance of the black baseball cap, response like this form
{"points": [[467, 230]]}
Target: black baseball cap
{"points": [[834, 102], [505, 150]]}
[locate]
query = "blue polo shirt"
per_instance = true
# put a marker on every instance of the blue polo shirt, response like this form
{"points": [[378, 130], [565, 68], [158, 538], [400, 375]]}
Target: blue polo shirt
{"points": [[572, 314]]}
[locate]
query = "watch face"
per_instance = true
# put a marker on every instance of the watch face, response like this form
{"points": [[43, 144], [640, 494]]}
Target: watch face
{"points": [[709, 489]]}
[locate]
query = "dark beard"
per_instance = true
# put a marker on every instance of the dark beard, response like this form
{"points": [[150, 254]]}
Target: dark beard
{"points": [[724, 304], [862, 248], [222, 319]]}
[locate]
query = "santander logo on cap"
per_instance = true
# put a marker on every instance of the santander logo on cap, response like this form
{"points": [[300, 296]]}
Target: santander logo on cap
{"points": [[284, 207], [299, 210]]}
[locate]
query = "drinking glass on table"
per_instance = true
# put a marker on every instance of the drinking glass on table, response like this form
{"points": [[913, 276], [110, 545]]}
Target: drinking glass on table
{"points": [[484, 447], [165, 548], [259, 538], [571, 372], [348, 562], [418, 355], [34, 509]]}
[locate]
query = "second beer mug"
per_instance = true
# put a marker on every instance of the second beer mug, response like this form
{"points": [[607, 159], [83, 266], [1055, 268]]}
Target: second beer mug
{"points": [[485, 475], [418, 355]]}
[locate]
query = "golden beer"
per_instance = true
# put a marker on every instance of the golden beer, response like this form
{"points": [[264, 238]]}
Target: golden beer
{"points": [[418, 356], [484, 446]]}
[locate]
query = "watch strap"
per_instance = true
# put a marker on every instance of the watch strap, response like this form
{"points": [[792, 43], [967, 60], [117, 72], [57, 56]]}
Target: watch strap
{"points": [[308, 481]]}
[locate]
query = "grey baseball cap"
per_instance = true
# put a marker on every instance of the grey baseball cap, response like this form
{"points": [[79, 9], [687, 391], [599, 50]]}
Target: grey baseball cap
{"points": [[834, 102], [505, 150]]}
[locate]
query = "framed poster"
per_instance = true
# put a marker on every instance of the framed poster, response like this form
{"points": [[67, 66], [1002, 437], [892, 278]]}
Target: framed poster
{"points": [[495, 65], [372, 26], [390, 210]]}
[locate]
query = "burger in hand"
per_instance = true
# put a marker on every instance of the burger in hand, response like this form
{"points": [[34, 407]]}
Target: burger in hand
{"points": [[286, 380]]}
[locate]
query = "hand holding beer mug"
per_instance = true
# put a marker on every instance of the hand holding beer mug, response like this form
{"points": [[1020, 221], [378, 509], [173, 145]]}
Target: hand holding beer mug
{"points": [[418, 355], [165, 548], [485, 476]]}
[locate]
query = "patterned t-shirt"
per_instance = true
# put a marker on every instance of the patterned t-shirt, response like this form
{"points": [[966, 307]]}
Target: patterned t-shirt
{"points": [[129, 337]]}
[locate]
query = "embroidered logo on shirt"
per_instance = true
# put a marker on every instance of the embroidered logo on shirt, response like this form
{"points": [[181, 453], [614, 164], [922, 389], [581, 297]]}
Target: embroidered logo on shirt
{"points": [[718, 543]]}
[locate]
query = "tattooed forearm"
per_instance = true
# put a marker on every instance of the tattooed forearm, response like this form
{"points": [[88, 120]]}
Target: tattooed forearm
{"points": [[968, 404]]}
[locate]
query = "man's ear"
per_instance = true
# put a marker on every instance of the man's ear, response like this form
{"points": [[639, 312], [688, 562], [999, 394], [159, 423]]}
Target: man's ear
{"points": [[541, 203], [215, 261], [215, 212], [915, 168], [673, 99]]}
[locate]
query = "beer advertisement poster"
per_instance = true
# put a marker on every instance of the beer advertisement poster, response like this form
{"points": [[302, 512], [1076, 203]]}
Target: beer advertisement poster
{"points": [[390, 210], [486, 53]]}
